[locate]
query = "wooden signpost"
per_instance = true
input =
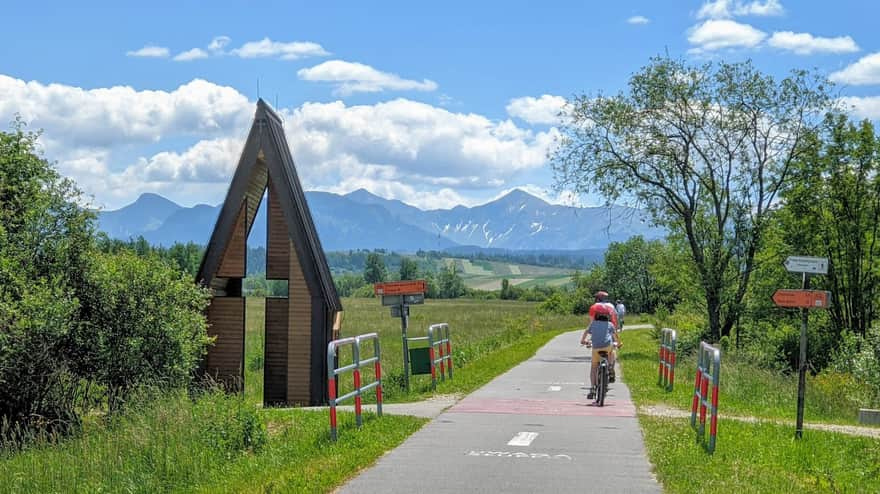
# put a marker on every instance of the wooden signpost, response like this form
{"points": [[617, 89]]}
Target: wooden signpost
{"points": [[399, 295], [803, 299]]}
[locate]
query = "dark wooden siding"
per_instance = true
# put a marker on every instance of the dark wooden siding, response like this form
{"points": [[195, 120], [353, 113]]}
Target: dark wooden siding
{"points": [[275, 368], [233, 264], [300, 335], [224, 361], [277, 241], [256, 188]]}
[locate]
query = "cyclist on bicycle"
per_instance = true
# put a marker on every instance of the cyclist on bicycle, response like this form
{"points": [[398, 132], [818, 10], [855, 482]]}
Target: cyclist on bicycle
{"points": [[621, 312], [602, 333]]}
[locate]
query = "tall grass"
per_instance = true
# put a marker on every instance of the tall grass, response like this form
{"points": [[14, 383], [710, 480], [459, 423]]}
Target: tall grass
{"points": [[215, 443], [746, 389], [163, 444], [478, 327]]}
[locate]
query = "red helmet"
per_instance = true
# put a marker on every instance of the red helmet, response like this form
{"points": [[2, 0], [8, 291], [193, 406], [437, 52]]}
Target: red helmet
{"points": [[601, 296]]}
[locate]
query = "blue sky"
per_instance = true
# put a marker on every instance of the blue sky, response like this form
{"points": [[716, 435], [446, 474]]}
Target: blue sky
{"points": [[432, 103]]}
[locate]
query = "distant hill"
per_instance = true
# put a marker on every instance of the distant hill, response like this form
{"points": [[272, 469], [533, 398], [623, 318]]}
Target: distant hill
{"points": [[360, 220]]}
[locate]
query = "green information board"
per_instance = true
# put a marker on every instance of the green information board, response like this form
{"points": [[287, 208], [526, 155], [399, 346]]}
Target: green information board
{"points": [[420, 360]]}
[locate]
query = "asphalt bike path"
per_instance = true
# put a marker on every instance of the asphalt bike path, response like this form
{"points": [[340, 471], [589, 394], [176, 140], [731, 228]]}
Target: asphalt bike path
{"points": [[529, 430]]}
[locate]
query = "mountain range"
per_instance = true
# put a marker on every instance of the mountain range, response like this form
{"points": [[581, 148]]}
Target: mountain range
{"points": [[360, 220]]}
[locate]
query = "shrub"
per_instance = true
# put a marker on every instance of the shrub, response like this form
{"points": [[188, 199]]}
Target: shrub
{"points": [[860, 356], [142, 323], [558, 303]]}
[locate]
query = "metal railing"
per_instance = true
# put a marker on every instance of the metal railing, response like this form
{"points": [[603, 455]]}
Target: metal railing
{"points": [[666, 370], [355, 367], [438, 336], [708, 368]]}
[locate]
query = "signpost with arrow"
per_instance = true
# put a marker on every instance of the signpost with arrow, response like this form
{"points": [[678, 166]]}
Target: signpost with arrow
{"points": [[804, 299]]}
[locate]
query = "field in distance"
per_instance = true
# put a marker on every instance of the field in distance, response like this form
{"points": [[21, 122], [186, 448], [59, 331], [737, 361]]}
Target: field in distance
{"points": [[487, 275]]}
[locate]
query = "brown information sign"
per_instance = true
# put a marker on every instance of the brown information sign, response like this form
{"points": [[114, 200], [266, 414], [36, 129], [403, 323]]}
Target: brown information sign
{"points": [[804, 299]]}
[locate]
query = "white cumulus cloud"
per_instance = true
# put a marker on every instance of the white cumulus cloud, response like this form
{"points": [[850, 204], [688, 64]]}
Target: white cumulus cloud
{"points": [[807, 44], [638, 19], [725, 9], [149, 51], [863, 72], [120, 115], [352, 77], [118, 142], [219, 43], [293, 50], [862, 106], [194, 54], [716, 34], [542, 110]]}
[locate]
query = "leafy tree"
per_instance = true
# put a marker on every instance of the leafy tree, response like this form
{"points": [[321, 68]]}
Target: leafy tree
{"points": [[45, 241], [834, 211], [409, 269], [374, 271], [628, 273], [346, 284], [707, 149], [71, 317], [505, 289], [449, 283]]}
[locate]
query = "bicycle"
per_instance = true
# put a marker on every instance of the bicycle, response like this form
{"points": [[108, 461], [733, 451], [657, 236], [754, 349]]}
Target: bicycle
{"points": [[602, 385], [602, 377]]}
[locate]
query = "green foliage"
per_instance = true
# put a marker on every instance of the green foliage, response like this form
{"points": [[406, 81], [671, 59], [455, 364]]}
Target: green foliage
{"points": [[558, 303], [860, 357], [374, 270], [37, 387], [449, 283], [256, 285], [629, 275], [45, 241], [142, 323], [409, 269], [707, 150], [348, 283], [75, 323], [747, 388], [185, 257], [833, 211]]}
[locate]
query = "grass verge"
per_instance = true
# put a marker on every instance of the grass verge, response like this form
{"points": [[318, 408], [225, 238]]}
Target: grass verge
{"points": [[216, 443], [749, 457], [745, 389], [760, 458]]}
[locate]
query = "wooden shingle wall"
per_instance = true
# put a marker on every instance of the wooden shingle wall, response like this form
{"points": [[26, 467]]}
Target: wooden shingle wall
{"points": [[234, 261], [275, 367], [300, 335], [225, 358], [277, 241]]}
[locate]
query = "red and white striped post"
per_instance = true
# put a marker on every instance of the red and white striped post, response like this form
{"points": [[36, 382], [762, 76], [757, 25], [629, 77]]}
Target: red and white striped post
{"points": [[448, 353], [433, 367], [708, 366], [442, 366], [331, 391], [378, 369], [357, 397], [696, 400], [666, 367]]}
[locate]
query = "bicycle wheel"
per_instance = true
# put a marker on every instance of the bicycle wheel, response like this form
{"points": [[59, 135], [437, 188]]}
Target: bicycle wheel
{"points": [[603, 383]]}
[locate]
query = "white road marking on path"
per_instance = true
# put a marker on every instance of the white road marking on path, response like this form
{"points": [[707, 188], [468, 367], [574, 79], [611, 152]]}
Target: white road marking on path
{"points": [[554, 388], [523, 439], [519, 454]]}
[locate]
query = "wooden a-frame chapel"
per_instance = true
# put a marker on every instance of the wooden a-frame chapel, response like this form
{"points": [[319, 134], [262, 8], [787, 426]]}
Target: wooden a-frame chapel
{"points": [[299, 326]]}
